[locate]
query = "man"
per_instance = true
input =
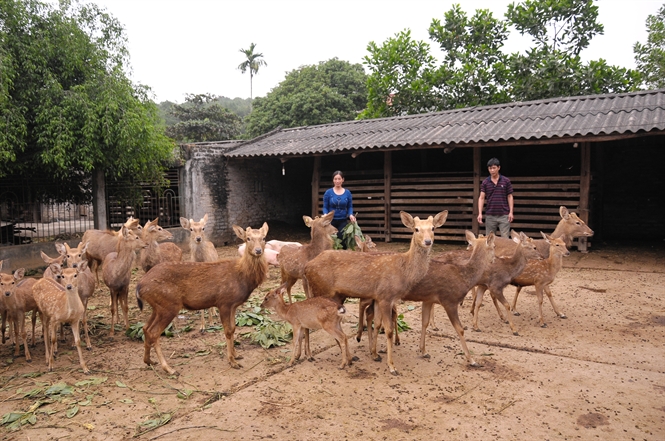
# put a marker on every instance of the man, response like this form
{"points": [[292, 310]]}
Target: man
{"points": [[498, 191]]}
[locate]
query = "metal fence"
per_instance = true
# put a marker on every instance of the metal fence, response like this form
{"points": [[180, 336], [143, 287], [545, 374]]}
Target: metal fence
{"points": [[23, 220]]}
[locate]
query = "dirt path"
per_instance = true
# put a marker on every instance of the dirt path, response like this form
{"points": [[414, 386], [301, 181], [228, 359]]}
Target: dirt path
{"points": [[600, 374]]}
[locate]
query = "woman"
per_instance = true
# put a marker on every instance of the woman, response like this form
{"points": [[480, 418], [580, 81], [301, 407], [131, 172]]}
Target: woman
{"points": [[339, 199]]}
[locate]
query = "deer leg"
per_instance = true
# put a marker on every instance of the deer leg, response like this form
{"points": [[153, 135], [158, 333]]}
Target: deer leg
{"points": [[453, 316], [431, 321], [124, 295], [375, 332], [203, 321], [388, 326], [426, 316], [394, 318], [53, 334], [88, 346], [77, 343], [114, 310], [342, 341], [34, 323], [152, 336], [498, 295], [478, 292], [362, 306], [514, 306], [227, 316], [24, 336], [539, 294], [556, 310], [4, 324]]}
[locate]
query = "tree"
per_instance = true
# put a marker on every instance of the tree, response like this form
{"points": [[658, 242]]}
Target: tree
{"points": [[650, 57], [561, 29], [402, 79], [329, 92], [252, 63], [201, 118], [66, 107], [474, 69]]}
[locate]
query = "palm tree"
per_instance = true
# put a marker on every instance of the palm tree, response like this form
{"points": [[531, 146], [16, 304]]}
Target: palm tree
{"points": [[253, 62]]}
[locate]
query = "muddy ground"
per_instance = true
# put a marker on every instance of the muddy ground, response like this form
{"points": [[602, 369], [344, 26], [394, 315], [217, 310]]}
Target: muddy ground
{"points": [[599, 374]]}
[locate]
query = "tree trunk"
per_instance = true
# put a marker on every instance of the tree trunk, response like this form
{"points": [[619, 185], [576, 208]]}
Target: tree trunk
{"points": [[99, 200]]}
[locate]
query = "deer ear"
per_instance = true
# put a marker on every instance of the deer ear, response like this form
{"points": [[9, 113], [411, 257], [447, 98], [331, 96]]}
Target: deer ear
{"points": [[440, 218], [407, 219], [240, 232], [60, 248], [55, 268], [563, 211], [19, 273], [308, 221], [83, 265], [184, 222], [470, 237], [264, 229], [205, 218]]}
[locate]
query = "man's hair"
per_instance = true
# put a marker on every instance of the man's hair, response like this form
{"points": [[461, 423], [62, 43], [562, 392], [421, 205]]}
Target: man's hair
{"points": [[492, 162]]}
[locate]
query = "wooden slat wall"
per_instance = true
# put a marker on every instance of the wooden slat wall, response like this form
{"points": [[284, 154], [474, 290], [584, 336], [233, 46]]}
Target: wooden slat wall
{"points": [[426, 196], [537, 202]]}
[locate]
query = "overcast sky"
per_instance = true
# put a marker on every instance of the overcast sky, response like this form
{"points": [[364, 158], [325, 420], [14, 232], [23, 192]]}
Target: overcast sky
{"points": [[192, 46]]}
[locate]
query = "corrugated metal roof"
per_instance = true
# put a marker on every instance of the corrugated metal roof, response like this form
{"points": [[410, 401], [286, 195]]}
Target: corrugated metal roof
{"points": [[533, 120]]}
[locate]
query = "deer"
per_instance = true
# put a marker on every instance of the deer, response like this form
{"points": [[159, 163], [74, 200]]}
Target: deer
{"points": [[156, 252], [383, 278], [117, 272], [569, 227], [447, 282], [292, 259], [541, 274], [225, 284], [49, 260], [313, 313], [500, 273], [16, 308], [86, 284], [60, 303], [202, 250], [103, 242]]}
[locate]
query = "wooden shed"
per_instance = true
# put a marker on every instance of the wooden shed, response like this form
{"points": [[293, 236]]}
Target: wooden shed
{"points": [[600, 155]]}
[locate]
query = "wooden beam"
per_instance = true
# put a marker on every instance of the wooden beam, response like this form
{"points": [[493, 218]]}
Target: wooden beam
{"points": [[585, 188], [316, 178], [476, 189], [387, 183]]}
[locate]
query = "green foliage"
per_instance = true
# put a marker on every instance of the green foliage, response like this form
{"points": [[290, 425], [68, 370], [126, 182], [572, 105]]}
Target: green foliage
{"points": [[66, 106], [329, 92], [650, 57], [402, 79], [405, 77], [135, 331], [349, 232], [266, 332], [201, 118], [402, 325], [556, 25]]}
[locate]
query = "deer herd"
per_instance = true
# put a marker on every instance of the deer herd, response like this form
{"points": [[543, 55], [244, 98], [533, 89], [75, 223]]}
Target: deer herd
{"points": [[380, 280]]}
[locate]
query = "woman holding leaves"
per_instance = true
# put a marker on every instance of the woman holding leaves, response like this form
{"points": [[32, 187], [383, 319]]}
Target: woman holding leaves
{"points": [[340, 200]]}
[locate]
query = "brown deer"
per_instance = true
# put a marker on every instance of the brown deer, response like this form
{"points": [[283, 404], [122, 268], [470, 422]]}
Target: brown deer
{"points": [[292, 259], [103, 242], [156, 252], [226, 284], [86, 284], [117, 272], [60, 303], [49, 260], [569, 227], [383, 278], [447, 282], [314, 313], [499, 274], [201, 249], [541, 274], [16, 308]]}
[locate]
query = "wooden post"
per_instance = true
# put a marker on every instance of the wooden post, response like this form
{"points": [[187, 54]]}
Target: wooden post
{"points": [[585, 188], [476, 189], [316, 178], [387, 184], [100, 219]]}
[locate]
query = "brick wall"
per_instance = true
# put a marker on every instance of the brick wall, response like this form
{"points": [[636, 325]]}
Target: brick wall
{"points": [[246, 192]]}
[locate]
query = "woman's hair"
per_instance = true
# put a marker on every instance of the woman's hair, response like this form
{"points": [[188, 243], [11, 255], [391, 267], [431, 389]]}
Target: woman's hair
{"points": [[338, 172]]}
